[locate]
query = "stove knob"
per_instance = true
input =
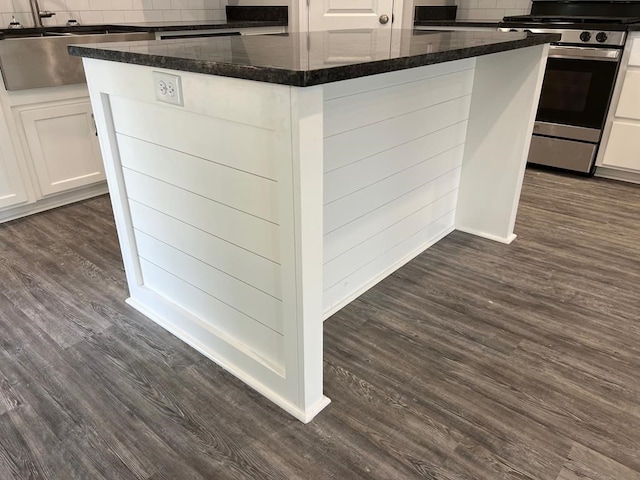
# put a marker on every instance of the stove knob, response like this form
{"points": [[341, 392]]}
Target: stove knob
{"points": [[585, 36], [601, 37]]}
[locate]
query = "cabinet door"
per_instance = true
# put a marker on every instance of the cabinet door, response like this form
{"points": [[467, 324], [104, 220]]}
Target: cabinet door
{"points": [[623, 148], [64, 146], [12, 186]]}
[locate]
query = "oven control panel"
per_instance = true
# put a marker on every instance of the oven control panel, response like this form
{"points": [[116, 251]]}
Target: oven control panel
{"points": [[584, 37]]}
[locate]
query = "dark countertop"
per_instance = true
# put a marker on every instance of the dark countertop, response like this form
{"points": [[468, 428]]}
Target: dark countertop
{"points": [[634, 27], [199, 25], [298, 60], [142, 27], [457, 23]]}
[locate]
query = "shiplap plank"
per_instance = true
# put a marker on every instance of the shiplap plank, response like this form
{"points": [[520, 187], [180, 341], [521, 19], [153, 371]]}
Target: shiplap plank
{"points": [[241, 329], [354, 145], [342, 266], [377, 82], [368, 199], [246, 231], [227, 257], [360, 230], [386, 263], [355, 111], [241, 296], [246, 192], [355, 176], [237, 145]]}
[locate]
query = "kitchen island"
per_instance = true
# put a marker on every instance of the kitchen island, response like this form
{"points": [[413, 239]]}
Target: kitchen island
{"points": [[293, 172]]}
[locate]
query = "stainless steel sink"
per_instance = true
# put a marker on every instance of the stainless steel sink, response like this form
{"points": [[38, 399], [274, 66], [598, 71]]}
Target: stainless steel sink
{"points": [[42, 60]]}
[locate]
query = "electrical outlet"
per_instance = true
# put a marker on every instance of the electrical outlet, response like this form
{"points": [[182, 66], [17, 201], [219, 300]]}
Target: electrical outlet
{"points": [[168, 88]]}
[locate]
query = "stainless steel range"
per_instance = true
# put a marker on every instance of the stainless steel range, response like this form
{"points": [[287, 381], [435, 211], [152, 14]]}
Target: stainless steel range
{"points": [[579, 78]]}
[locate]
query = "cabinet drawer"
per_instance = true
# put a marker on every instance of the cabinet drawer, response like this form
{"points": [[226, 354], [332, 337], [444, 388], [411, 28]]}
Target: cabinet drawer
{"points": [[629, 103], [634, 59], [623, 148]]}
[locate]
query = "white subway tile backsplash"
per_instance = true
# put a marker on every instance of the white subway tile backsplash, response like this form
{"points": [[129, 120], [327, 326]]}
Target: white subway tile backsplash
{"points": [[97, 5], [171, 15], [77, 5], [486, 3], [114, 16], [161, 4], [506, 3], [6, 6], [179, 5], [122, 4], [153, 15], [491, 9], [21, 6], [89, 17], [192, 15], [134, 16]]}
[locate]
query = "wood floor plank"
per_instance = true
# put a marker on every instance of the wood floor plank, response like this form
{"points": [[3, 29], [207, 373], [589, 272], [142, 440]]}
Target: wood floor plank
{"points": [[586, 464], [475, 361], [16, 460]]}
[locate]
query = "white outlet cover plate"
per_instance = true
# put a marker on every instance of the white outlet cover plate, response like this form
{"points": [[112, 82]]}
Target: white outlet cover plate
{"points": [[172, 93]]}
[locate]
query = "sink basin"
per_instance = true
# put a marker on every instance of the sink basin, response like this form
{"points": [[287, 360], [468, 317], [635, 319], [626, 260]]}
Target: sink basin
{"points": [[41, 60]]}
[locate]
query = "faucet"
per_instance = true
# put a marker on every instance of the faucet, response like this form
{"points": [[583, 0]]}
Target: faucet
{"points": [[37, 14]]}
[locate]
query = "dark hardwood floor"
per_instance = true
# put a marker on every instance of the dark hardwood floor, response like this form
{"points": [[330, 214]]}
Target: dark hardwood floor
{"points": [[476, 360]]}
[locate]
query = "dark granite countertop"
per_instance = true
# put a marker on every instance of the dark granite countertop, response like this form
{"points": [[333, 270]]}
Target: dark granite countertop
{"points": [[142, 27], [634, 27], [200, 25], [300, 60], [457, 23]]}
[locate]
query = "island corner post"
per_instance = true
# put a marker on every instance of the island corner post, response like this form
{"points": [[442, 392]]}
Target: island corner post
{"points": [[256, 210]]}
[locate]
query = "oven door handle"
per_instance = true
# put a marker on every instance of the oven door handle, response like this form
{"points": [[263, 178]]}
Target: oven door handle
{"points": [[584, 53]]}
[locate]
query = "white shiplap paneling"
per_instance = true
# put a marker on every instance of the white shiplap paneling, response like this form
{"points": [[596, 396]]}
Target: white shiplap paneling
{"points": [[233, 326], [225, 256], [243, 191], [392, 168], [241, 229], [199, 135], [240, 296]]}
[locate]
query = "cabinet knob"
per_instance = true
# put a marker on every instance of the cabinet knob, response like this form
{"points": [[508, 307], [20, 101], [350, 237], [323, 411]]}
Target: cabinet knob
{"points": [[384, 18]]}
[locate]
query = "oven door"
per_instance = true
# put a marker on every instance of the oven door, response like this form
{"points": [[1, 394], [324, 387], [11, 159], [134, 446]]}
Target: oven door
{"points": [[576, 90]]}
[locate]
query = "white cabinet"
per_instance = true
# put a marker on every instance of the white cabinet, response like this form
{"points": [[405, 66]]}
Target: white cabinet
{"points": [[12, 185], [49, 151], [619, 155], [63, 146]]}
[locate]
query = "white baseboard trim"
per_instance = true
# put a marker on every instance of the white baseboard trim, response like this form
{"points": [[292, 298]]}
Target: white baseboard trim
{"points": [[506, 240], [621, 175], [54, 201], [304, 416]]}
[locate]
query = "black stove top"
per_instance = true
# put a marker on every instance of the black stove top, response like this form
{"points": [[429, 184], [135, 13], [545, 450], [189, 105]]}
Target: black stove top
{"points": [[590, 14]]}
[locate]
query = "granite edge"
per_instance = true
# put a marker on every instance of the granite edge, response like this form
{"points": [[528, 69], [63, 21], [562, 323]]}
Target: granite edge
{"points": [[307, 78]]}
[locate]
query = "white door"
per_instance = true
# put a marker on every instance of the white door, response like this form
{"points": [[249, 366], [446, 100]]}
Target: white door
{"points": [[350, 14], [343, 31]]}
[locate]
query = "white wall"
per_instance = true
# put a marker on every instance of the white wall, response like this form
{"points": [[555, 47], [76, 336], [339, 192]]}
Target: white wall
{"points": [[114, 11]]}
